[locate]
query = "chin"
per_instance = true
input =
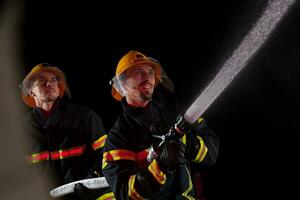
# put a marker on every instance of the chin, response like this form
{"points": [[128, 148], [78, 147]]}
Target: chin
{"points": [[51, 98], [146, 97]]}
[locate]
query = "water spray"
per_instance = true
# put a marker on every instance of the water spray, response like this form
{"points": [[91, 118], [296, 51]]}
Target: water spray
{"points": [[249, 46]]}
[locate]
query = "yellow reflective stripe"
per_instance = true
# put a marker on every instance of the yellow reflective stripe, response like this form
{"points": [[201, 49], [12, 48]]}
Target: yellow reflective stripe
{"points": [[104, 162], [202, 151], [183, 139], [107, 196], [99, 143], [38, 157], [154, 169], [200, 119], [185, 193], [120, 154], [131, 191], [117, 154]]}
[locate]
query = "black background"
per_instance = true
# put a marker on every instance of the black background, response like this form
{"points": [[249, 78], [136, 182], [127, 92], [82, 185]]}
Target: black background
{"points": [[256, 117]]}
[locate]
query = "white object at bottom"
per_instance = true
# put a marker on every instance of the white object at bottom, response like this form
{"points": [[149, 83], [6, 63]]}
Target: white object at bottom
{"points": [[92, 183]]}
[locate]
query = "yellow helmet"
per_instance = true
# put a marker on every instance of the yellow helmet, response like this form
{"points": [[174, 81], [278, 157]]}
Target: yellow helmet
{"points": [[133, 58], [28, 80]]}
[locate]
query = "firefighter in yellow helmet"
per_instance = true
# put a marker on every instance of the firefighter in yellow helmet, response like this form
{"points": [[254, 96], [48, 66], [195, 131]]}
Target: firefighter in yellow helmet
{"points": [[149, 110], [132, 59], [66, 139], [58, 78]]}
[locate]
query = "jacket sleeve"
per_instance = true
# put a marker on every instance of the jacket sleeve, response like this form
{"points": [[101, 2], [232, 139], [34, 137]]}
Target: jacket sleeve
{"points": [[95, 142], [120, 167], [202, 144]]}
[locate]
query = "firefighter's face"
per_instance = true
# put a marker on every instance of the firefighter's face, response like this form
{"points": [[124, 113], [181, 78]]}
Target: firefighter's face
{"points": [[45, 87], [140, 82]]}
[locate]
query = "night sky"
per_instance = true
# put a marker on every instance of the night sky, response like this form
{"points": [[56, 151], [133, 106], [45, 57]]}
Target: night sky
{"points": [[256, 117]]}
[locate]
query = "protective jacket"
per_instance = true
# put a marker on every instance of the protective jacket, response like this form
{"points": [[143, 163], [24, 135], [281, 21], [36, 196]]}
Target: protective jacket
{"points": [[66, 145], [127, 146]]}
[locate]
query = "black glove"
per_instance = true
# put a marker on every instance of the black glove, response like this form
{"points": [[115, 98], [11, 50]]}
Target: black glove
{"points": [[84, 193], [172, 157]]}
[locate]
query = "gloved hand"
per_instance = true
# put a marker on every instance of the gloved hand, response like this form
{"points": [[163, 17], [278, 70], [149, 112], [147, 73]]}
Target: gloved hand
{"points": [[84, 193], [172, 157]]}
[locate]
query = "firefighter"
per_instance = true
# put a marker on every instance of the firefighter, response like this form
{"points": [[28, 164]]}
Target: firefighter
{"points": [[149, 110], [66, 139]]}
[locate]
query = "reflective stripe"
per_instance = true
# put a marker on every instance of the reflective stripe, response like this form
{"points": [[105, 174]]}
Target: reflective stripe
{"points": [[202, 151], [183, 139], [185, 193], [55, 155], [121, 154], [104, 163], [200, 119], [99, 143], [38, 157], [61, 154], [154, 169], [131, 191], [107, 196], [141, 158]]}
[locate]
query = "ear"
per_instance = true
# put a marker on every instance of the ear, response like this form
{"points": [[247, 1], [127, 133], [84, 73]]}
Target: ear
{"points": [[31, 94]]}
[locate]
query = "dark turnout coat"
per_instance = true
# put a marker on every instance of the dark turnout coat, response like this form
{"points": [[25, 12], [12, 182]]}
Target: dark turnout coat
{"points": [[67, 145], [127, 146]]}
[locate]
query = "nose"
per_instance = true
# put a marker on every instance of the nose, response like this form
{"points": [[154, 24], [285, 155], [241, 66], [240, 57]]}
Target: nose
{"points": [[48, 83], [145, 75]]}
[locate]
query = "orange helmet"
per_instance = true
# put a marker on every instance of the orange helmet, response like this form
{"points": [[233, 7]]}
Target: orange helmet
{"points": [[133, 58], [28, 80]]}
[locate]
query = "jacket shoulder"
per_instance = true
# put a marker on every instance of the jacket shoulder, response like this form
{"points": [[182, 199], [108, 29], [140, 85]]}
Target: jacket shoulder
{"points": [[119, 134], [74, 109]]}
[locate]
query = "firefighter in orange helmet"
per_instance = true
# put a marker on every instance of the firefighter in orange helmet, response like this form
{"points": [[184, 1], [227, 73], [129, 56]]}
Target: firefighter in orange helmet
{"points": [[66, 138], [150, 109]]}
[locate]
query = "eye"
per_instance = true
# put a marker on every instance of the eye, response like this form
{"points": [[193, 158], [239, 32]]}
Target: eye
{"points": [[151, 72], [53, 81], [42, 81], [137, 71]]}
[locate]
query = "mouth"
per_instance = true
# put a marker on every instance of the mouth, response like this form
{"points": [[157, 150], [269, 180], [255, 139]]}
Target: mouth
{"points": [[49, 90], [146, 86]]}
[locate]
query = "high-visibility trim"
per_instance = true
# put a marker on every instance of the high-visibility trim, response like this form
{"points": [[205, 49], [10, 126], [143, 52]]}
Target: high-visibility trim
{"points": [[142, 155], [118, 154], [141, 158], [55, 155], [99, 143], [183, 139], [38, 157], [131, 190], [107, 196], [159, 176], [199, 120], [104, 162], [66, 153], [190, 187], [202, 150]]}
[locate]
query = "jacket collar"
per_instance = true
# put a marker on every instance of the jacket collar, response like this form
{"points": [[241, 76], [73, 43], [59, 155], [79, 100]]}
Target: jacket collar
{"points": [[53, 117]]}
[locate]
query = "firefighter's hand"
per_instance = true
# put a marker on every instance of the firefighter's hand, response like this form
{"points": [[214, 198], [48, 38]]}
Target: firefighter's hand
{"points": [[84, 193], [172, 157]]}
